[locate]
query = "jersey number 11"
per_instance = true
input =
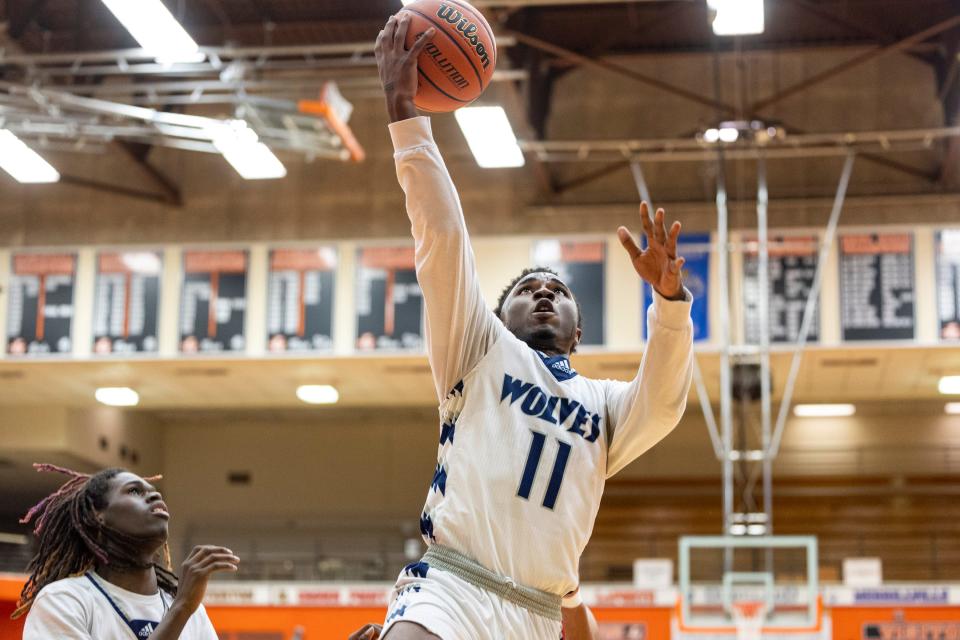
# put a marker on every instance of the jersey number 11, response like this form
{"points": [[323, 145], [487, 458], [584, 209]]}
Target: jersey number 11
{"points": [[533, 461]]}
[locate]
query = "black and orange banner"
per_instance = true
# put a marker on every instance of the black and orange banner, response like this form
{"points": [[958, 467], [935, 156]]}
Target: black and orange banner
{"points": [[126, 306], [40, 312], [214, 301], [876, 286], [389, 300], [300, 300], [792, 268]]}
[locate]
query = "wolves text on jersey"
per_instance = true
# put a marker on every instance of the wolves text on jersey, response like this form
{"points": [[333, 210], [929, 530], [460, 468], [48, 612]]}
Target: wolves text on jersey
{"points": [[564, 412]]}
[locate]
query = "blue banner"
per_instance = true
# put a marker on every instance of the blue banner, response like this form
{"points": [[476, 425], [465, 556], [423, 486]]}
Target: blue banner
{"points": [[695, 248]]}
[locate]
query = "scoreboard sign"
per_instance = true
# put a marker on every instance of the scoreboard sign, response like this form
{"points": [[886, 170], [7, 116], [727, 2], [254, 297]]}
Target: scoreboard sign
{"points": [[389, 300], [876, 286], [948, 284], [792, 268], [127, 303], [300, 300], [40, 313], [214, 301]]}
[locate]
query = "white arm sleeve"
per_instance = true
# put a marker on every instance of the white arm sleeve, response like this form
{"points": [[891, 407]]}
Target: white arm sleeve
{"points": [[60, 616], [643, 411], [460, 327]]}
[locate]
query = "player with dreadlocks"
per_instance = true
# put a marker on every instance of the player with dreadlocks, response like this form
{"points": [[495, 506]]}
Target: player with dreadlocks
{"points": [[526, 443], [102, 569]]}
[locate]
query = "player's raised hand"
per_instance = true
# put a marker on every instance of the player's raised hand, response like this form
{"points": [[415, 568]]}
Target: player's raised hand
{"points": [[367, 632], [398, 66], [658, 264]]}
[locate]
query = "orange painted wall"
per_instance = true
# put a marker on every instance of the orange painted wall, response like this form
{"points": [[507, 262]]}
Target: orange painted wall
{"points": [[657, 620], [848, 622], [320, 623]]}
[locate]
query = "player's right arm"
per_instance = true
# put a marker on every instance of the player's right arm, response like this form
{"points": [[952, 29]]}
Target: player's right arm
{"points": [[460, 327]]}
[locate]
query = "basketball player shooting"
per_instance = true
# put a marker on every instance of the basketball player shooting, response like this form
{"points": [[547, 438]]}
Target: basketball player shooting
{"points": [[526, 444]]}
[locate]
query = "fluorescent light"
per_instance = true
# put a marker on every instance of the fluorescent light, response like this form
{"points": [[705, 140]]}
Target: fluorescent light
{"points": [[153, 26], [738, 529], [756, 529], [952, 408], [711, 135], [737, 17], [490, 136], [949, 385], [318, 394], [729, 134], [117, 396], [23, 163], [824, 410], [241, 147]]}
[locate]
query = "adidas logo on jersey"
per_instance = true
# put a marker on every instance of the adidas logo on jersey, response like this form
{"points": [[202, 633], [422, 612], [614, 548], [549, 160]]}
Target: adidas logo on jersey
{"points": [[146, 631], [562, 365], [564, 412]]}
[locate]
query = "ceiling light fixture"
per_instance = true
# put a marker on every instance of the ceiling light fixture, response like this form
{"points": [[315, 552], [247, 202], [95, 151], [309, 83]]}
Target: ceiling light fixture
{"points": [[490, 137], [153, 26], [117, 396], [23, 163], [824, 410], [318, 394]]}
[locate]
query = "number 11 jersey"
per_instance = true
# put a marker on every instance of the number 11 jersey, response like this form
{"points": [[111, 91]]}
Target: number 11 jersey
{"points": [[525, 442]]}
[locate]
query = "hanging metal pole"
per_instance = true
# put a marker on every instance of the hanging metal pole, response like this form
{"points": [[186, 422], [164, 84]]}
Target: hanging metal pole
{"points": [[825, 246], [764, 284], [699, 385], [726, 400]]}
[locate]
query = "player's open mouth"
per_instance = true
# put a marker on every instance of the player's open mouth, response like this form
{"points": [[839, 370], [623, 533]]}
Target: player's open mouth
{"points": [[160, 510], [543, 307]]}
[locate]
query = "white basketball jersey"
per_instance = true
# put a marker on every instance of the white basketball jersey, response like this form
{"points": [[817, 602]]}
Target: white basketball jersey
{"points": [[525, 443]]}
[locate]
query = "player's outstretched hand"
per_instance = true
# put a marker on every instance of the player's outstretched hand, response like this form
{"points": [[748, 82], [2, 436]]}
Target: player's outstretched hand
{"points": [[367, 632], [658, 264], [398, 66], [200, 564]]}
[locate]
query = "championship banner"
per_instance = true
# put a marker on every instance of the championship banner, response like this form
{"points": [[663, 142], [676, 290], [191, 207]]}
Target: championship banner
{"points": [[792, 267], [580, 265], [40, 311], [126, 305], [695, 249], [876, 287], [389, 300], [948, 284], [213, 302], [300, 300]]}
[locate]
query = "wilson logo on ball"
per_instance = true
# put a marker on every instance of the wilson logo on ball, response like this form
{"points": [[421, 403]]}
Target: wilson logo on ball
{"points": [[467, 29]]}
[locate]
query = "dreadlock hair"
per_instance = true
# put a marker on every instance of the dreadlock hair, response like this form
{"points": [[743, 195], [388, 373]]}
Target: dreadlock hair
{"points": [[72, 540], [523, 274]]}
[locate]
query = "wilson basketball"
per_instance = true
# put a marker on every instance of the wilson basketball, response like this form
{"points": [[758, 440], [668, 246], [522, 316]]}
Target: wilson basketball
{"points": [[456, 67]]}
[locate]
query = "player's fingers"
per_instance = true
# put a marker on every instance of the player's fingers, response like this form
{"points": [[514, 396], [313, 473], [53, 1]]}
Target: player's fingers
{"points": [[400, 35], [659, 227], [367, 632], [676, 266], [672, 238], [218, 567], [389, 30], [422, 41], [626, 239], [645, 220], [213, 558]]}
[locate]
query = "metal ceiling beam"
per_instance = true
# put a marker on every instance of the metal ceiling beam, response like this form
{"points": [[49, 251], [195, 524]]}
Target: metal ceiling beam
{"points": [[138, 154], [619, 69], [856, 61]]}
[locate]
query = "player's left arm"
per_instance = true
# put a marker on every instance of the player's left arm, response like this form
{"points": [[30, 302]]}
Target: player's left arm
{"points": [[643, 411]]}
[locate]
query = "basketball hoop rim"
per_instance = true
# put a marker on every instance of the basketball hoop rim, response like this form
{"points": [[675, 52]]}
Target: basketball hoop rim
{"points": [[684, 626]]}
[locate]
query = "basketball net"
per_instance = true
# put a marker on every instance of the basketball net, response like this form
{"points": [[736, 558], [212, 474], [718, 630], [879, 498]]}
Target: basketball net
{"points": [[749, 616]]}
